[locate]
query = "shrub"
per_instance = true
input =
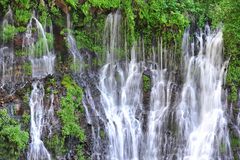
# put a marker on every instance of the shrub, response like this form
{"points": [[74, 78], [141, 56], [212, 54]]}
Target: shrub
{"points": [[12, 139]]}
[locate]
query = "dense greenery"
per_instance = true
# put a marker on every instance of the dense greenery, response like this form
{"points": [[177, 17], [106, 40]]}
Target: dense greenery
{"points": [[9, 32], [69, 115], [13, 141], [70, 104], [167, 19]]}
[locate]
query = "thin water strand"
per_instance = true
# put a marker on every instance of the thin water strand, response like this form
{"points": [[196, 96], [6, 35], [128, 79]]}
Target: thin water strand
{"points": [[42, 59], [7, 55], [37, 150]]}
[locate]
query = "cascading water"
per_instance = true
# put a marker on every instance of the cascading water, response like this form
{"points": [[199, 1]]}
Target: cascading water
{"points": [[37, 149], [92, 118], [42, 61], [160, 101], [201, 111], [7, 54], [50, 115], [72, 47], [189, 125], [119, 112]]}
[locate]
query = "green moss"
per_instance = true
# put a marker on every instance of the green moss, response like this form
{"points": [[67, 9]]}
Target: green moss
{"points": [[69, 116], [146, 83], [72, 3], [233, 94], [102, 134], [130, 18], [26, 97], [25, 120], [56, 145], [21, 29], [27, 68], [13, 141], [9, 32], [80, 154], [83, 40], [70, 111], [235, 142], [105, 4], [22, 16], [4, 5], [52, 82], [233, 79], [85, 8], [21, 53], [58, 18], [43, 14]]}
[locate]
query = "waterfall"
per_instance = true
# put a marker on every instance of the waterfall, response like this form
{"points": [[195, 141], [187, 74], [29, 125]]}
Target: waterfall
{"points": [[185, 122], [41, 57], [50, 115], [7, 55], [37, 149], [118, 111], [123, 126], [92, 118], [42, 61], [202, 122], [160, 101], [72, 47]]}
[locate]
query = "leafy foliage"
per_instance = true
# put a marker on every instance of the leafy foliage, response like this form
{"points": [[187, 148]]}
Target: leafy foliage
{"points": [[9, 32], [27, 68], [22, 12], [70, 111], [12, 139], [146, 83], [4, 6], [228, 12], [72, 3], [22, 16], [56, 144], [105, 4]]}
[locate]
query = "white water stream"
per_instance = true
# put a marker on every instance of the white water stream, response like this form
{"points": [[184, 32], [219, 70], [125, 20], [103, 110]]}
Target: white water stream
{"points": [[201, 111], [37, 150], [72, 48], [185, 124], [7, 54], [42, 63]]}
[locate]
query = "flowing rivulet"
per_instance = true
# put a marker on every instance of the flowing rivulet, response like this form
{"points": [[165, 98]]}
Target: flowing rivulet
{"points": [[7, 56], [42, 62]]}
